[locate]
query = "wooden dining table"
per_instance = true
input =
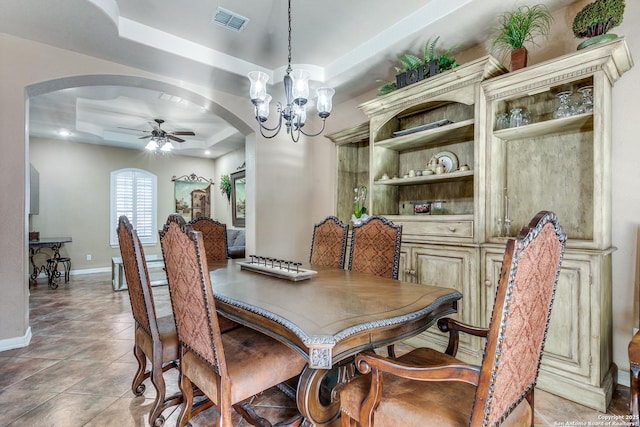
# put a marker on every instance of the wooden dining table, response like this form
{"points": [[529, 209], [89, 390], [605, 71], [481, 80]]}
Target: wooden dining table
{"points": [[328, 318]]}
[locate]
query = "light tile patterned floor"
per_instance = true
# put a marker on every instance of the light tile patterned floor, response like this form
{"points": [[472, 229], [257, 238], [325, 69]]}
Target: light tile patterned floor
{"points": [[78, 368]]}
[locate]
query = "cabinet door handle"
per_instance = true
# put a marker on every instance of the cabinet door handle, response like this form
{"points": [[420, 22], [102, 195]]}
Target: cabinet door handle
{"points": [[487, 283], [412, 272], [452, 229]]}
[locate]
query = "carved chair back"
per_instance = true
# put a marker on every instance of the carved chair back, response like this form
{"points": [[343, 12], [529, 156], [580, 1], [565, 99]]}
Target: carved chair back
{"points": [[329, 243], [520, 319], [214, 237], [375, 247]]}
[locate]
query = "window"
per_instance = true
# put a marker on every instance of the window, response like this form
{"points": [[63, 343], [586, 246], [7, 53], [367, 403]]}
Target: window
{"points": [[133, 193]]}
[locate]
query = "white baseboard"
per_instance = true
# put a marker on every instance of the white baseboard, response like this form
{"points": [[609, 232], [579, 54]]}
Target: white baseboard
{"points": [[623, 378], [16, 342], [90, 271]]}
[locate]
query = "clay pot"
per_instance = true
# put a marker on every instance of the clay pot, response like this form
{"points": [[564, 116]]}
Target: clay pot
{"points": [[518, 58]]}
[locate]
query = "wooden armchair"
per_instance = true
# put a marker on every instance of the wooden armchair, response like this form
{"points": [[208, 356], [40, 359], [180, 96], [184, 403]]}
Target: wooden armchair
{"points": [[329, 243], [427, 388], [228, 368], [155, 337], [214, 238]]}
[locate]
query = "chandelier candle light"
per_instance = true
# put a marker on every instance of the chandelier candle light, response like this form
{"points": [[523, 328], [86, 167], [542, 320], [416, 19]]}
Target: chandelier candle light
{"points": [[296, 89]]}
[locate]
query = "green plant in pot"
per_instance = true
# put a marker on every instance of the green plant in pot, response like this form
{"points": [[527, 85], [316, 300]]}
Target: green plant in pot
{"points": [[225, 186], [517, 28], [595, 20], [446, 61]]}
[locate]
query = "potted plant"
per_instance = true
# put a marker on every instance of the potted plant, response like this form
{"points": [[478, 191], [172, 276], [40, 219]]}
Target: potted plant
{"points": [[445, 61], [225, 186], [518, 27], [595, 20]]}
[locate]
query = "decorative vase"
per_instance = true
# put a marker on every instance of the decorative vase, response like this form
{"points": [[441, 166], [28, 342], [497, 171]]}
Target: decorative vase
{"points": [[597, 39], [518, 58]]}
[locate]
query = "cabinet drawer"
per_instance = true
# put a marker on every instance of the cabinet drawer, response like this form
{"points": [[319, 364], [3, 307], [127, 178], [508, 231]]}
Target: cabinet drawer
{"points": [[446, 228]]}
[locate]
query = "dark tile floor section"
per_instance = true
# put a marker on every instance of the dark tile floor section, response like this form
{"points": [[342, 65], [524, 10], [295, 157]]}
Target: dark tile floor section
{"points": [[78, 368]]}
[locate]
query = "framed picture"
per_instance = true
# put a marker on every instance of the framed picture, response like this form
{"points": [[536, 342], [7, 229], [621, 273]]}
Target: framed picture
{"points": [[238, 198], [192, 196]]}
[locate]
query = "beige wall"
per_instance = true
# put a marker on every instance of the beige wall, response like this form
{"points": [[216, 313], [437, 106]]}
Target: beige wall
{"points": [[75, 192], [293, 185]]}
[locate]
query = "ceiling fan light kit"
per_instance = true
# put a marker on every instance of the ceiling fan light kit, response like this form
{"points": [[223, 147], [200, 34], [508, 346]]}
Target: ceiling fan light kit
{"points": [[161, 139], [296, 89]]}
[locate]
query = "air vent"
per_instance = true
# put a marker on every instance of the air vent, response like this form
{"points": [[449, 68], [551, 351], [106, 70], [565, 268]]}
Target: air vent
{"points": [[230, 20]]}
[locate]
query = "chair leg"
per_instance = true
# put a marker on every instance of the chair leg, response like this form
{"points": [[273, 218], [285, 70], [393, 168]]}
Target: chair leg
{"points": [[187, 394], [634, 393], [391, 351], [137, 387], [346, 420], [530, 399], [157, 379]]}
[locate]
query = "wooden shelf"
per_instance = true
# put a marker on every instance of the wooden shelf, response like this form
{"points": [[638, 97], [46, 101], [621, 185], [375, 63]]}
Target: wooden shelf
{"points": [[555, 126], [454, 132], [445, 177]]}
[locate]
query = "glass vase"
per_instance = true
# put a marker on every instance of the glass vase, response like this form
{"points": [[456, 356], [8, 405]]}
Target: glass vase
{"points": [[586, 103], [516, 118], [564, 109]]}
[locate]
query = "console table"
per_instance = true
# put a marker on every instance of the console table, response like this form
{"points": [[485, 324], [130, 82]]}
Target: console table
{"points": [[49, 268]]}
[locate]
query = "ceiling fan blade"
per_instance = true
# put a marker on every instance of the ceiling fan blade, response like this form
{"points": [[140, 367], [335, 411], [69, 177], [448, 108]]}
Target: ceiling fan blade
{"points": [[186, 133], [137, 130], [175, 138], [145, 137]]}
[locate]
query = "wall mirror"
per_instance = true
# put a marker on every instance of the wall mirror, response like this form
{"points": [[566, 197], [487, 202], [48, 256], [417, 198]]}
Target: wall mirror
{"points": [[238, 198]]}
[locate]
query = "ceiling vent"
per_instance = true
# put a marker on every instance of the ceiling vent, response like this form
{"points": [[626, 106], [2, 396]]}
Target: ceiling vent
{"points": [[230, 20]]}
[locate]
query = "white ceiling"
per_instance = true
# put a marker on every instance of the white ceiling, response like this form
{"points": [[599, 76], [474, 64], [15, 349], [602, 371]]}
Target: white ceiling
{"points": [[347, 44]]}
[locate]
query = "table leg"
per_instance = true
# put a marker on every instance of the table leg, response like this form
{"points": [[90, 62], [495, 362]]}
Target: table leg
{"points": [[318, 396], [52, 272]]}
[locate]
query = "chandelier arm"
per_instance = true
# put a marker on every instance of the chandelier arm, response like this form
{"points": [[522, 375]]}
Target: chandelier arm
{"points": [[313, 134], [264, 135]]}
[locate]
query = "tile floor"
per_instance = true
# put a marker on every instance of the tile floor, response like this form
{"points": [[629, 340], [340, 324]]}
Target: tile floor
{"points": [[78, 368]]}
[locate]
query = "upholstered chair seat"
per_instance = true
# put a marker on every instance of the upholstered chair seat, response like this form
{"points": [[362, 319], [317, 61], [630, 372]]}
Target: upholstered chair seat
{"points": [[166, 333]]}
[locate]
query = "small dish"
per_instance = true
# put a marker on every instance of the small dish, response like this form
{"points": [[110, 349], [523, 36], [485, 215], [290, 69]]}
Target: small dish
{"points": [[449, 160], [427, 172]]}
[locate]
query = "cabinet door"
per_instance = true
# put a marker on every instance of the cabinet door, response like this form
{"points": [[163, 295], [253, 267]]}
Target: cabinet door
{"points": [[567, 350], [451, 267], [405, 273]]}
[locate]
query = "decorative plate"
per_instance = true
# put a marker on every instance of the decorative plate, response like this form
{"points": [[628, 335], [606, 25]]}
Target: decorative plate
{"points": [[449, 160]]}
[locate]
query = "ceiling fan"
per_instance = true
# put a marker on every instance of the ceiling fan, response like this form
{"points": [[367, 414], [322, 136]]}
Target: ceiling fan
{"points": [[159, 133]]}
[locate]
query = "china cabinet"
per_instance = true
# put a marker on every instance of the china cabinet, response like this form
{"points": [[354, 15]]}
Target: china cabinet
{"points": [[535, 139], [561, 161]]}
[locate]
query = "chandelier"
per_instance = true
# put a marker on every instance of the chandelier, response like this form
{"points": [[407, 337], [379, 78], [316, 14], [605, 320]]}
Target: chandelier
{"points": [[162, 143], [296, 90]]}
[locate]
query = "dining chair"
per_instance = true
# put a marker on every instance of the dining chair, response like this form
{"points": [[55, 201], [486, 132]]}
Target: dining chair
{"points": [[155, 337], [375, 249], [329, 243], [228, 368], [214, 236], [427, 387]]}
